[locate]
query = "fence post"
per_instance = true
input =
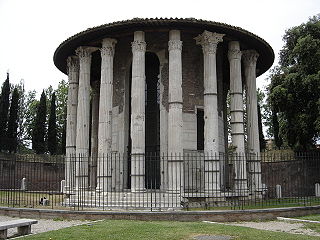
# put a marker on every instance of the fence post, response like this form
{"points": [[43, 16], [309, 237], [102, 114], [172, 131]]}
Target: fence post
{"points": [[23, 184], [317, 189], [62, 185]]}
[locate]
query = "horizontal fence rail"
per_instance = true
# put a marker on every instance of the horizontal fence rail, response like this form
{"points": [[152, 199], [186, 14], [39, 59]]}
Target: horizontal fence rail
{"points": [[153, 181]]}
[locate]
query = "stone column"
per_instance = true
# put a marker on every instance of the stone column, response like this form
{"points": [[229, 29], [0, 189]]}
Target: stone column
{"points": [[175, 121], [104, 174], [236, 110], [209, 42], [83, 117], [72, 103], [164, 127], [250, 60], [94, 133], [138, 113]]}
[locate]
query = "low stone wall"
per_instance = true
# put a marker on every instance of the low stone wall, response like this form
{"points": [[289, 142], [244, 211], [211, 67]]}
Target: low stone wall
{"points": [[187, 216], [40, 176], [296, 177]]}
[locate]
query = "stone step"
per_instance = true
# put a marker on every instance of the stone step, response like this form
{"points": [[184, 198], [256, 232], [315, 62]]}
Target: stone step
{"points": [[122, 205]]}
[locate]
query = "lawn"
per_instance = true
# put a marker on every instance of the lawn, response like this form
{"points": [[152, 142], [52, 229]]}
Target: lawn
{"points": [[29, 199], [124, 229]]}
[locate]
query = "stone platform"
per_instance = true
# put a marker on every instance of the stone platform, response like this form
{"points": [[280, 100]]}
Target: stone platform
{"points": [[155, 199]]}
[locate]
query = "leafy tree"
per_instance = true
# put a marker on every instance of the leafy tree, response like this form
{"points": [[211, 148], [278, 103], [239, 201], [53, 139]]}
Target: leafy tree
{"points": [[12, 140], [52, 127], [61, 94], [4, 109], [294, 91], [39, 128]]}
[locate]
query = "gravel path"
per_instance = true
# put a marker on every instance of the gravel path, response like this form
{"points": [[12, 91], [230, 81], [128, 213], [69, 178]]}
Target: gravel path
{"points": [[43, 225], [279, 226]]}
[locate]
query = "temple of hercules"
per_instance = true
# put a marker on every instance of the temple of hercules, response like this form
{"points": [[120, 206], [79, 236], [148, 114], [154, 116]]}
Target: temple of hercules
{"points": [[157, 106]]}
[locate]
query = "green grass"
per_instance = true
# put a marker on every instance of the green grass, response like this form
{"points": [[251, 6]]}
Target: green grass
{"points": [[28, 199], [124, 229]]}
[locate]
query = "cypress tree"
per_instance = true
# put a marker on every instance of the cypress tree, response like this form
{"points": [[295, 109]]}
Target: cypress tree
{"points": [[39, 129], [52, 127], [4, 109], [12, 138]]}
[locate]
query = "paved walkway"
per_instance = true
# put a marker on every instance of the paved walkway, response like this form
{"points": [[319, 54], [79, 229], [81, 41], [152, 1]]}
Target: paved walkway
{"points": [[275, 226], [44, 225], [279, 226]]}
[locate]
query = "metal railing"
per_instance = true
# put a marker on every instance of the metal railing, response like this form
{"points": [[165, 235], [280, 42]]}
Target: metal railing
{"points": [[153, 181]]}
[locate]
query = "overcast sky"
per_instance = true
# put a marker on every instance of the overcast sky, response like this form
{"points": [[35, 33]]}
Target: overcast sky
{"points": [[31, 30]]}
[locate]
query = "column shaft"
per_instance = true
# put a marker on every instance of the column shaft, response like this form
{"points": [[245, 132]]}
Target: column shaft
{"points": [[138, 113], [236, 109], [94, 134], [250, 59], [209, 42], [72, 103], [163, 134], [175, 121], [83, 117], [104, 173]]}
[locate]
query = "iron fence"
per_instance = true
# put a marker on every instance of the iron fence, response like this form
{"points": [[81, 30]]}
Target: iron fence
{"points": [[153, 181]]}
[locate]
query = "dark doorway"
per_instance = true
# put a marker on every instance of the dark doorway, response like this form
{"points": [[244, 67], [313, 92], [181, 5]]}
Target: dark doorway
{"points": [[152, 122], [200, 129]]}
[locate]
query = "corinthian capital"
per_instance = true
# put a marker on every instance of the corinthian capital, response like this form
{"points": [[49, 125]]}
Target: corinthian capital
{"points": [[72, 64], [209, 41], [234, 51], [234, 54], [250, 57], [138, 46], [84, 53], [108, 46], [175, 45]]}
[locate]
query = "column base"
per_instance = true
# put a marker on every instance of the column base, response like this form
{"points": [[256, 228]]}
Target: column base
{"points": [[241, 187], [82, 189], [256, 195], [104, 184], [68, 190], [138, 190]]}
